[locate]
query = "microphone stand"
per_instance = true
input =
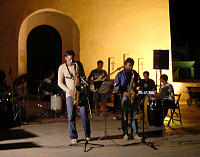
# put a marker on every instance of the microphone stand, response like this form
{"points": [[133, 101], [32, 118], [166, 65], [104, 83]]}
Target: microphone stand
{"points": [[38, 99], [145, 93], [87, 94]]}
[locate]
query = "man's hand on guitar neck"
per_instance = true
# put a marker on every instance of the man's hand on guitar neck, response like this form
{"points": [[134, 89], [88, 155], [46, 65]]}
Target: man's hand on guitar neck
{"points": [[103, 78]]}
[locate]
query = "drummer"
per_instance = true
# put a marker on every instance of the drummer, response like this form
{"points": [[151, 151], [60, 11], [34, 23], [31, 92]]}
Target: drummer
{"points": [[166, 94], [3, 85], [46, 86]]}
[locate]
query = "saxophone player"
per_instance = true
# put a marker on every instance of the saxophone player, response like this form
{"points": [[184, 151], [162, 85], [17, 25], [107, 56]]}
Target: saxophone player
{"points": [[127, 80], [66, 81]]}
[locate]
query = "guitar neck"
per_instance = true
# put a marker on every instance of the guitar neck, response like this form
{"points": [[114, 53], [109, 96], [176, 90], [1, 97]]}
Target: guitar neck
{"points": [[104, 77]]}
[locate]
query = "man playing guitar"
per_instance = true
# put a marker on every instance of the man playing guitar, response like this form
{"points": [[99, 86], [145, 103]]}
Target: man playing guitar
{"points": [[96, 78]]}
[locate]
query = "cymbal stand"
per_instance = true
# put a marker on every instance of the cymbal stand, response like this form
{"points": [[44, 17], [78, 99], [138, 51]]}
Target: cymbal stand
{"points": [[15, 114], [38, 114], [24, 115]]}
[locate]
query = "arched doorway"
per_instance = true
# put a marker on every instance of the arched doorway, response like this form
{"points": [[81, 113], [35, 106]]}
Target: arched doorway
{"points": [[44, 52], [65, 26]]}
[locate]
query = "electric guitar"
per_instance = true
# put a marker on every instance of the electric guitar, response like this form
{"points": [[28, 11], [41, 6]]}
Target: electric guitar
{"points": [[102, 78]]}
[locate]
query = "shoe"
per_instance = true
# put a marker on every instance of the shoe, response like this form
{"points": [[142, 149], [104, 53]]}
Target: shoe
{"points": [[74, 140], [88, 138], [137, 137], [126, 137]]}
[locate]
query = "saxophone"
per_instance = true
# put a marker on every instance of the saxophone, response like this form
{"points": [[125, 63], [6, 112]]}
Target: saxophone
{"points": [[76, 85], [131, 91]]}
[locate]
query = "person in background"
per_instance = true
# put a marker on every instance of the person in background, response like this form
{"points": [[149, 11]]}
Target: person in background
{"points": [[147, 84], [166, 94], [47, 87], [96, 78]]}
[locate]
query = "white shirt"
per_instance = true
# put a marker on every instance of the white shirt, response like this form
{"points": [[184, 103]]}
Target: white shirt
{"points": [[168, 90], [65, 82]]}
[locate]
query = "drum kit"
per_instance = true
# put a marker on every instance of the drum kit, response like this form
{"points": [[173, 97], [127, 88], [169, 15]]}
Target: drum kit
{"points": [[8, 105], [11, 111], [56, 101]]}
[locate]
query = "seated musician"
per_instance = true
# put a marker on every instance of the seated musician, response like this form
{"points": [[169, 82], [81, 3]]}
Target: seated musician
{"points": [[146, 84], [47, 86], [96, 77], [166, 94]]}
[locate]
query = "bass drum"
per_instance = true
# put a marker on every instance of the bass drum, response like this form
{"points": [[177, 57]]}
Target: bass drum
{"points": [[56, 102], [155, 112]]}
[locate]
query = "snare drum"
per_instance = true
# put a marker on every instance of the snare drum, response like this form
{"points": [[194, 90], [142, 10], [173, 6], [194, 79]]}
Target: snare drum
{"points": [[56, 102]]}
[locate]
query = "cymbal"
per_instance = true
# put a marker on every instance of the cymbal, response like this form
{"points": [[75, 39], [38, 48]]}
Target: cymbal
{"points": [[21, 79]]}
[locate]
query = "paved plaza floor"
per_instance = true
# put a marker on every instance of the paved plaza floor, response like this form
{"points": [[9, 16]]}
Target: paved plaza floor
{"points": [[49, 137]]}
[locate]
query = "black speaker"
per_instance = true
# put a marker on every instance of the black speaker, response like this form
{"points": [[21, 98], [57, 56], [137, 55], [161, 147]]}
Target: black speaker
{"points": [[161, 59]]}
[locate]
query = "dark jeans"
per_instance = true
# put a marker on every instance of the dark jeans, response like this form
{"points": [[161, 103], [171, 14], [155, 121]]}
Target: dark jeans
{"points": [[71, 111], [166, 104], [125, 106]]}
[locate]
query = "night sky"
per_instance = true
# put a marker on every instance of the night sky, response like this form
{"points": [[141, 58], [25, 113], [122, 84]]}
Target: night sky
{"points": [[185, 22]]}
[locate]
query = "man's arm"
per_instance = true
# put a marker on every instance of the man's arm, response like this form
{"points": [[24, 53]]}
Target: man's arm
{"points": [[90, 78], [117, 82], [154, 86], [61, 78], [136, 79], [163, 93]]}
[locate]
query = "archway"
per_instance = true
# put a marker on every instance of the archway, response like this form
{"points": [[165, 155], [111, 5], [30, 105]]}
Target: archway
{"points": [[65, 26], [44, 53]]}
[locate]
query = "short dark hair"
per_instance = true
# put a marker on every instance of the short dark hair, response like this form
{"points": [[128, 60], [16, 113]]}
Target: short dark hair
{"points": [[69, 53], [146, 72], [100, 61], [129, 60], [164, 77]]}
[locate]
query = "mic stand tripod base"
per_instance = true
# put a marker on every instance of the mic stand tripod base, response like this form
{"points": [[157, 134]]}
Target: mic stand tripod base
{"points": [[143, 140], [145, 93], [105, 131], [85, 144], [150, 144]]}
